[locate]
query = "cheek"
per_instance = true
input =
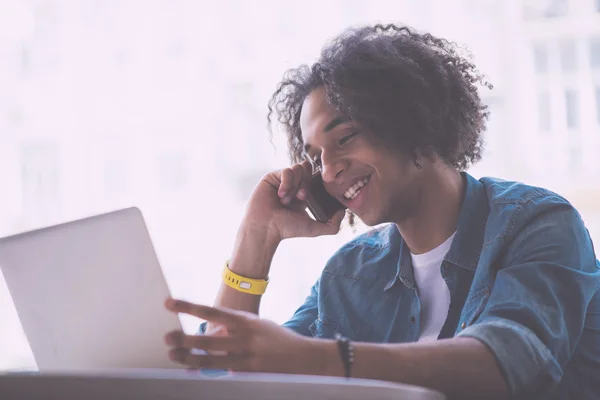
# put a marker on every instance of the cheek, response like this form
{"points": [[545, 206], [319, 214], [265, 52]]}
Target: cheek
{"points": [[390, 166], [394, 170], [395, 181]]}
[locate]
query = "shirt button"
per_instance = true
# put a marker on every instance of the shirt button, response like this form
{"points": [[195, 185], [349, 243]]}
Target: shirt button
{"points": [[412, 319], [463, 325]]}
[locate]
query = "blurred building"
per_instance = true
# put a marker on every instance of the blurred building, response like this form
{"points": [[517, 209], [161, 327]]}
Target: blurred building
{"points": [[558, 96], [162, 105]]}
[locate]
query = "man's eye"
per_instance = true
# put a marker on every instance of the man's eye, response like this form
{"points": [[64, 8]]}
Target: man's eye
{"points": [[346, 138]]}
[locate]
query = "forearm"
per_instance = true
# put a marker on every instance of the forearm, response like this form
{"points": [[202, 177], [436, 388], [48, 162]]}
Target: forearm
{"points": [[252, 256], [458, 367]]}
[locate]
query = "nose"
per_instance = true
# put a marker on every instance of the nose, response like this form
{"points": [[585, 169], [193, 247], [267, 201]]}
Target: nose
{"points": [[331, 167]]}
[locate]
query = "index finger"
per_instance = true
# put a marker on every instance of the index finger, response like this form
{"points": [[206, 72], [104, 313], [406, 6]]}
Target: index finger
{"points": [[207, 313], [305, 182]]}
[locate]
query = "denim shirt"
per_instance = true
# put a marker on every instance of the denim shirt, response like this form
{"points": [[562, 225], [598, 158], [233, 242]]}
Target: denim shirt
{"points": [[523, 279]]}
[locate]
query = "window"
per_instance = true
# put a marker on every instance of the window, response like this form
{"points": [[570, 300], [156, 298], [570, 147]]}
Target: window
{"points": [[115, 175], [25, 60], [568, 55], [540, 58], [575, 157], [39, 176], [544, 111], [598, 104], [595, 51], [572, 109], [537, 9], [172, 170]]}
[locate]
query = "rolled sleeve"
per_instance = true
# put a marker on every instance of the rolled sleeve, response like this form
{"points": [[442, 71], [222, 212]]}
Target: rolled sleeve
{"points": [[522, 357], [535, 313]]}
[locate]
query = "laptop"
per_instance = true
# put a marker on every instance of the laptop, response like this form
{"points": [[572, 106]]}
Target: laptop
{"points": [[90, 293]]}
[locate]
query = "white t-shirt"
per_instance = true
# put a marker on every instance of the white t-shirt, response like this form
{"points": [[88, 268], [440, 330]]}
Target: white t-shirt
{"points": [[434, 295]]}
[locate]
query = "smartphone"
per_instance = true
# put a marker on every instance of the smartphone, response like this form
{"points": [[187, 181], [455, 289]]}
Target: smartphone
{"points": [[321, 204]]}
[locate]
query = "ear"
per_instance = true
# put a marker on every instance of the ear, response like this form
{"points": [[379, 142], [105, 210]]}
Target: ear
{"points": [[426, 154], [418, 158]]}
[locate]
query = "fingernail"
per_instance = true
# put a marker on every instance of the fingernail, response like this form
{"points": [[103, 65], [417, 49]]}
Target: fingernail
{"points": [[281, 194], [286, 200], [301, 194]]}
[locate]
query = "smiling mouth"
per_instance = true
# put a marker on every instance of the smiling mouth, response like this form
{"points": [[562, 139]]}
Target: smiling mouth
{"points": [[354, 190]]}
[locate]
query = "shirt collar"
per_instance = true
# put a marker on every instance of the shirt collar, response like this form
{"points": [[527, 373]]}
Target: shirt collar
{"points": [[468, 241], [470, 231]]}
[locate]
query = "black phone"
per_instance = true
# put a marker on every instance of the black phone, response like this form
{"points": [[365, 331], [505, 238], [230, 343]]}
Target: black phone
{"points": [[321, 204]]}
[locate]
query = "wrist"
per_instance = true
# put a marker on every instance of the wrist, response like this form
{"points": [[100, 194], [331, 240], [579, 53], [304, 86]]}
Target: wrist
{"points": [[253, 251], [323, 358], [260, 228]]}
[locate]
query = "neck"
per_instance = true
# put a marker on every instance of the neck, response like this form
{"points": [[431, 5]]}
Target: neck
{"points": [[436, 216]]}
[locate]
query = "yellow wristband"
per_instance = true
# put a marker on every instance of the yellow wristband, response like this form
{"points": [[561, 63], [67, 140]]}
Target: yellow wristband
{"points": [[243, 284]]}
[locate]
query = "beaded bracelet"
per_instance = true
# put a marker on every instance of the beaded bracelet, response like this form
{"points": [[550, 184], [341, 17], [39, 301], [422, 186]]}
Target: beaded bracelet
{"points": [[346, 353]]}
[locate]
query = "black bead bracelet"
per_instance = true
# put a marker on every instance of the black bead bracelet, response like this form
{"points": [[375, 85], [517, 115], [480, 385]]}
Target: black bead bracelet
{"points": [[346, 353]]}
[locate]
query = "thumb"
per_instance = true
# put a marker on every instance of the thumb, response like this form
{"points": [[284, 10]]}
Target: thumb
{"points": [[332, 227]]}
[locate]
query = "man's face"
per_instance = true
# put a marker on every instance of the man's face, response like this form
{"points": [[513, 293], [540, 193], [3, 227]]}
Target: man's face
{"points": [[377, 183]]}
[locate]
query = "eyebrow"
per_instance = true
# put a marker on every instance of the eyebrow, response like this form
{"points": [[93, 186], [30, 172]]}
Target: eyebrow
{"points": [[335, 122], [330, 126]]}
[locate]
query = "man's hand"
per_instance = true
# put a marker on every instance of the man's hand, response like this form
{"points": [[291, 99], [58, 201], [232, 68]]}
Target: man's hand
{"points": [[277, 205], [460, 367], [244, 343], [275, 211]]}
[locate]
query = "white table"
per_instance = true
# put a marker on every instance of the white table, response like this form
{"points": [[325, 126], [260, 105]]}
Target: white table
{"points": [[188, 385]]}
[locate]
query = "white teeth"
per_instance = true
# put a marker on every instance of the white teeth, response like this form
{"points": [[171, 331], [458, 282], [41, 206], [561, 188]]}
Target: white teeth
{"points": [[355, 189]]}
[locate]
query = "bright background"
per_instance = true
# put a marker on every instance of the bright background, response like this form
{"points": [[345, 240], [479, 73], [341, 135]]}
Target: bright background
{"points": [[161, 104]]}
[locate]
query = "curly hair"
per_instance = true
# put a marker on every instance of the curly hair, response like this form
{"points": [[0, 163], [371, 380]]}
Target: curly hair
{"points": [[413, 90]]}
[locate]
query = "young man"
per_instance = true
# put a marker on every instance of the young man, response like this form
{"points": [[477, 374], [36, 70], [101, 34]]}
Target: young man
{"points": [[477, 288]]}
